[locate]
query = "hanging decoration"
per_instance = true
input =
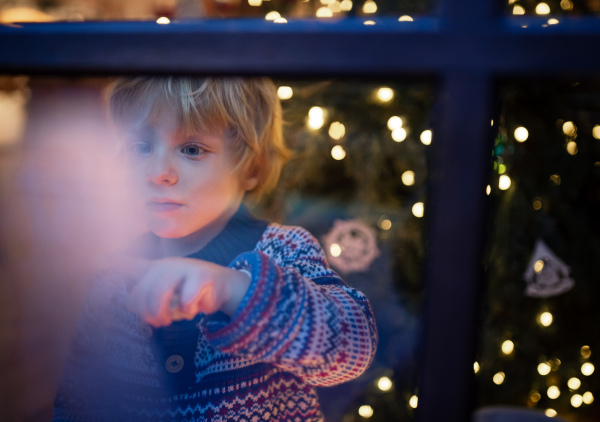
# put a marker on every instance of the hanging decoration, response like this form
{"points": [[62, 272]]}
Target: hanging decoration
{"points": [[351, 246], [546, 275]]}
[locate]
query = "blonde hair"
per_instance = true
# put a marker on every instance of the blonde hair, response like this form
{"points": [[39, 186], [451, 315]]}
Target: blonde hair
{"points": [[246, 110]]}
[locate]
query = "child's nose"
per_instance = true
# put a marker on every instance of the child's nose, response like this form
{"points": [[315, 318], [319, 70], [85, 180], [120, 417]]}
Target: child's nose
{"points": [[160, 170]]}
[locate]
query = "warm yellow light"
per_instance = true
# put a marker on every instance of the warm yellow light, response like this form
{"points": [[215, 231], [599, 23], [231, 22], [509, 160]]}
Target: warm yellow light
{"points": [[508, 347], [384, 384], [566, 5], [476, 367], [324, 12], [385, 94], [555, 179], [285, 92], [338, 153], [550, 413], [255, 3], [405, 18], [418, 209], [553, 392], [542, 9], [385, 224], [504, 182], [588, 397], [587, 369], [395, 122], [574, 383], [369, 7], [316, 118], [596, 132], [576, 400], [535, 396], [335, 6], [346, 5], [413, 402], [369, 22], [426, 137], [399, 134], [271, 16], [23, 14], [543, 368], [569, 128], [335, 250], [365, 411], [498, 378], [518, 10], [163, 20], [408, 177], [546, 318], [537, 204], [280, 20], [586, 351], [337, 130], [572, 147], [488, 189], [552, 21], [538, 267], [521, 134]]}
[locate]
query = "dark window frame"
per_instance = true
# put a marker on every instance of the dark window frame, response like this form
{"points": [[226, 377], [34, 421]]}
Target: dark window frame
{"points": [[467, 45]]}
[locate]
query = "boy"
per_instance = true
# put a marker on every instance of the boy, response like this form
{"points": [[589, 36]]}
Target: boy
{"points": [[219, 316]]}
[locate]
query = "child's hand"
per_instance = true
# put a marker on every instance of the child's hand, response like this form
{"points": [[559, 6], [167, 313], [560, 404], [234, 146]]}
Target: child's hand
{"points": [[171, 289]]}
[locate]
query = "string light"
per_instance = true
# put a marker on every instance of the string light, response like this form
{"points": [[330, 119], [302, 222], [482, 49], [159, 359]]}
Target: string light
{"points": [[385, 224], [521, 134], [535, 396], [574, 383], [518, 10], [568, 128], [285, 92], [413, 402], [586, 352], [553, 392], [555, 178], [337, 130], [504, 182], [476, 367], [508, 347], [369, 7], [384, 384], [545, 318], [587, 369], [399, 134], [426, 137], [255, 3], [542, 9], [405, 18], [316, 118], [335, 250], [346, 5], [394, 122], [543, 368], [576, 400], [550, 413], [385, 94], [335, 6], [588, 397], [566, 5], [596, 132], [572, 147], [418, 209], [271, 16], [280, 20], [163, 20], [552, 21], [338, 152], [408, 178], [365, 411], [538, 267], [498, 378], [537, 204], [488, 189], [324, 12], [369, 22]]}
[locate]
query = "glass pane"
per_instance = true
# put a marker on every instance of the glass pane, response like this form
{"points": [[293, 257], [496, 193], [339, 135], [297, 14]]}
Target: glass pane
{"points": [[357, 181], [80, 10], [551, 8], [539, 341]]}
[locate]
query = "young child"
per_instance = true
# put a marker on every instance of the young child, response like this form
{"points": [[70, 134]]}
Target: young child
{"points": [[218, 316]]}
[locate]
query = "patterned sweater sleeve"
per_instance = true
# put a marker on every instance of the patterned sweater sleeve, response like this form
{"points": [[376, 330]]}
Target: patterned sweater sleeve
{"points": [[298, 313]]}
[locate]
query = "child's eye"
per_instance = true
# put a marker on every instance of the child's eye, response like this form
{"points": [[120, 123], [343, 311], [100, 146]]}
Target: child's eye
{"points": [[140, 148], [193, 150]]}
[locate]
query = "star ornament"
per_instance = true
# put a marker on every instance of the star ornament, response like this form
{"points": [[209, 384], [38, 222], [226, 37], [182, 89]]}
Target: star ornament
{"points": [[546, 275], [351, 246]]}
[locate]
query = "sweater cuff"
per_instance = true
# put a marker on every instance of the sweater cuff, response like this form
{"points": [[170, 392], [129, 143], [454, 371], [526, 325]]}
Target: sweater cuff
{"points": [[252, 314]]}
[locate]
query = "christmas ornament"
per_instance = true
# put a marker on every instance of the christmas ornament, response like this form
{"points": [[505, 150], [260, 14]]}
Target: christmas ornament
{"points": [[546, 275], [351, 246]]}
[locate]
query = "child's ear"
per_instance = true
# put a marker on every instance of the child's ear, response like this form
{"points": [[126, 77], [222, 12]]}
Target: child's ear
{"points": [[250, 181]]}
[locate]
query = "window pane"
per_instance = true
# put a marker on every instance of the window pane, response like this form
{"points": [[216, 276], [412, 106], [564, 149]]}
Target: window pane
{"points": [[539, 341], [80, 10], [357, 181]]}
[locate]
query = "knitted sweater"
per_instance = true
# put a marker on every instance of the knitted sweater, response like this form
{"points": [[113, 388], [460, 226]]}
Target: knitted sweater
{"points": [[298, 326]]}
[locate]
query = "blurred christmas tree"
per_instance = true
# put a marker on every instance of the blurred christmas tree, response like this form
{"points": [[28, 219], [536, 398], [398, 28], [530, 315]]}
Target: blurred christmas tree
{"points": [[541, 306]]}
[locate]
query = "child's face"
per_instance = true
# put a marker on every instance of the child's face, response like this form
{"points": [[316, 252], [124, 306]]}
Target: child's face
{"points": [[183, 183]]}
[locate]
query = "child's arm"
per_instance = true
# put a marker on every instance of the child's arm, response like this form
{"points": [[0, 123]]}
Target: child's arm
{"points": [[298, 313]]}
